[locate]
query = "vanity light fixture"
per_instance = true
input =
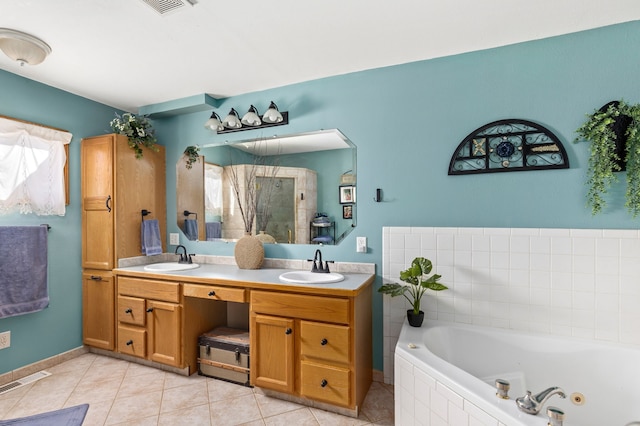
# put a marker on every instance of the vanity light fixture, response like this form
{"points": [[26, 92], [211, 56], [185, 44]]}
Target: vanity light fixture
{"points": [[214, 123], [22, 47], [251, 120], [272, 115], [232, 120]]}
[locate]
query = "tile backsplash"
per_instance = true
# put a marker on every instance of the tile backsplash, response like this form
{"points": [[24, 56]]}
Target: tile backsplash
{"points": [[572, 282]]}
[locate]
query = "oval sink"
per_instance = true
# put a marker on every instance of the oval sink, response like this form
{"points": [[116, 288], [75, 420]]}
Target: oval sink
{"points": [[170, 266], [307, 277]]}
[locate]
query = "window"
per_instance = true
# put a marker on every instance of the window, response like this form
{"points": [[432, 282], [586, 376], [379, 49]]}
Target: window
{"points": [[32, 168]]}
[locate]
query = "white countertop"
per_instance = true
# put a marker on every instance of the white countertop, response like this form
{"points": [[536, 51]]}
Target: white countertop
{"points": [[257, 278]]}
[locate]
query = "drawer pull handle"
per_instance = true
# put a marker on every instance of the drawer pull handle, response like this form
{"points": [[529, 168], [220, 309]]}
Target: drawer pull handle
{"points": [[128, 311], [96, 278], [324, 383], [324, 342], [149, 309], [129, 342], [212, 293], [288, 331]]}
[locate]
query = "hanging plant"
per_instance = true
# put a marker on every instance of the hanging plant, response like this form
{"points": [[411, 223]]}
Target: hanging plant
{"points": [[191, 155], [613, 131], [138, 130]]}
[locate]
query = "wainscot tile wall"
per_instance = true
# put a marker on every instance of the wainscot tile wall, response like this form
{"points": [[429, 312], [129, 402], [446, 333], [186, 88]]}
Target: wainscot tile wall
{"points": [[571, 282]]}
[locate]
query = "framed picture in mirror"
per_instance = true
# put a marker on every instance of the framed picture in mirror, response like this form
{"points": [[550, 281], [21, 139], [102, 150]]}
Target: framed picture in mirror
{"points": [[347, 194], [347, 211]]}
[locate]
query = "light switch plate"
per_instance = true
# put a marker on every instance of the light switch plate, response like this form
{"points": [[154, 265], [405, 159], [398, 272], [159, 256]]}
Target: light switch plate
{"points": [[361, 244], [174, 238]]}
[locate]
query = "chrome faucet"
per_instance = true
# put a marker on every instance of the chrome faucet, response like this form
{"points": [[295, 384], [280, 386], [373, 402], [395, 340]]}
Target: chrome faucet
{"points": [[183, 257], [317, 263], [532, 404]]}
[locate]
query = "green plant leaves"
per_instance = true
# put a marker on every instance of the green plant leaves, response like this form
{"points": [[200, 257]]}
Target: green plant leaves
{"points": [[416, 276], [604, 161]]}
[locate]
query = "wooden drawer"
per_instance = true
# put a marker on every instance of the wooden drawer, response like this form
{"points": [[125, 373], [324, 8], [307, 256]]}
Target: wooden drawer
{"points": [[132, 341], [215, 293], [324, 382], [319, 308], [326, 342], [149, 289], [131, 310]]}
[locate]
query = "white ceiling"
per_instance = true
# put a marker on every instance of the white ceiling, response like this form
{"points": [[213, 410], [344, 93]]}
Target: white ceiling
{"points": [[125, 54]]}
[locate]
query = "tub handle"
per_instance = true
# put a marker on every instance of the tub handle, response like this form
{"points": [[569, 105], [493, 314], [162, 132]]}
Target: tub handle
{"points": [[556, 416], [503, 388]]}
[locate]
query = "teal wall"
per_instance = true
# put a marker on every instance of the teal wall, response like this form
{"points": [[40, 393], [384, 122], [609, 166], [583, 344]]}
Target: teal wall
{"points": [[406, 122], [59, 327]]}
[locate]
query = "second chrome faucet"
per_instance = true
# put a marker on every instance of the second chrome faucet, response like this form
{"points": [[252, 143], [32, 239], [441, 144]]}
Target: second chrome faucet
{"points": [[533, 404]]}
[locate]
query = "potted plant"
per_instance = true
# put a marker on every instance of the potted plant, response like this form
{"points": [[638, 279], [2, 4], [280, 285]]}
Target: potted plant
{"points": [[419, 282], [614, 133], [138, 130]]}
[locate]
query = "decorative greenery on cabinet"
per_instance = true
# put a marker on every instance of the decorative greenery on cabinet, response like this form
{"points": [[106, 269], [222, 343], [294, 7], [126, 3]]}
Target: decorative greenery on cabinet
{"points": [[138, 130]]}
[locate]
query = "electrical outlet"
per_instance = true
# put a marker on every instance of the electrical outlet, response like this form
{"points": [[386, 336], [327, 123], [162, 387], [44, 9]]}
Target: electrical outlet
{"points": [[5, 339], [174, 238]]}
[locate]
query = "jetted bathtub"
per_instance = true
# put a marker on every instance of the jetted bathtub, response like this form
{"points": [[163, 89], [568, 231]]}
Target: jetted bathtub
{"points": [[445, 374]]}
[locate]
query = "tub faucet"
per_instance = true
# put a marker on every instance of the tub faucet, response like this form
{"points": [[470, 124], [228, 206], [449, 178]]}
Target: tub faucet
{"points": [[183, 257], [532, 404]]}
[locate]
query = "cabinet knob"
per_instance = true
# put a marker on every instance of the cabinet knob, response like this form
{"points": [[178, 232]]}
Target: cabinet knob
{"points": [[149, 309], [212, 293], [128, 311], [129, 342], [96, 278], [324, 383], [324, 342], [288, 331]]}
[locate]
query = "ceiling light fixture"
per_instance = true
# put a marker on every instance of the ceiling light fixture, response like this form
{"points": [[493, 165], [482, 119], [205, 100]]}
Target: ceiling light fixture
{"points": [[250, 121], [22, 47]]}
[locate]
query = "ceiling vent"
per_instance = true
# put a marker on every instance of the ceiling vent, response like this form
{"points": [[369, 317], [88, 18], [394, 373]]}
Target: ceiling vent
{"points": [[165, 6]]}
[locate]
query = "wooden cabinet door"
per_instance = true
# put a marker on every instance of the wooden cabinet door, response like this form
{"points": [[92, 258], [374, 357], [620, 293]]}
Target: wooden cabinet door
{"points": [[272, 352], [164, 333], [98, 202], [98, 322]]}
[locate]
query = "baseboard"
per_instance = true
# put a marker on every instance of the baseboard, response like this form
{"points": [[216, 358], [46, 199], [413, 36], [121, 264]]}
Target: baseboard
{"points": [[41, 365]]}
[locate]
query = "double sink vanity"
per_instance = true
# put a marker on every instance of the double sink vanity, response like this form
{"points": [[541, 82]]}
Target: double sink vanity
{"points": [[310, 342]]}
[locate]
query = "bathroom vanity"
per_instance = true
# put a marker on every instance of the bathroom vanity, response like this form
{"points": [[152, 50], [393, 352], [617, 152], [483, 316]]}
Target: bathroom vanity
{"points": [[308, 343]]}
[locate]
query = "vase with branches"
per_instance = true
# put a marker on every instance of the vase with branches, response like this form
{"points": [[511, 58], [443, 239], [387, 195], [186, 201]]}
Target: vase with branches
{"points": [[247, 192]]}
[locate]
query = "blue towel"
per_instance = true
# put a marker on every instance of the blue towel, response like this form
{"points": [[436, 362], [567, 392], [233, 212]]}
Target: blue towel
{"points": [[72, 416], [191, 229], [214, 231], [23, 270], [150, 237]]}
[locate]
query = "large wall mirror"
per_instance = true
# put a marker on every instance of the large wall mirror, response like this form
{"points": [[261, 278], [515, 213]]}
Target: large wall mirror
{"points": [[299, 180]]}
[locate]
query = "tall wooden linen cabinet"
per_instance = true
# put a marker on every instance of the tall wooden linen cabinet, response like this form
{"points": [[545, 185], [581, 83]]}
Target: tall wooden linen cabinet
{"points": [[116, 187]]}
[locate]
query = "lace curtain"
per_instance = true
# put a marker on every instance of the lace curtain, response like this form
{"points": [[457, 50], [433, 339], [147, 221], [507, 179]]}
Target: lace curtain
{"points": [[32, 160], [213, 192]]}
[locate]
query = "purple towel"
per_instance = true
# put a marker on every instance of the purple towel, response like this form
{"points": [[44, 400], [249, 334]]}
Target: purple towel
{"points": [[150, 237], [23, 270]]}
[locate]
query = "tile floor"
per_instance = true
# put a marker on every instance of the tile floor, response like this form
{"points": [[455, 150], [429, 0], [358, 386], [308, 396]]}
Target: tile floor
{"points": [[123, 393]]}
